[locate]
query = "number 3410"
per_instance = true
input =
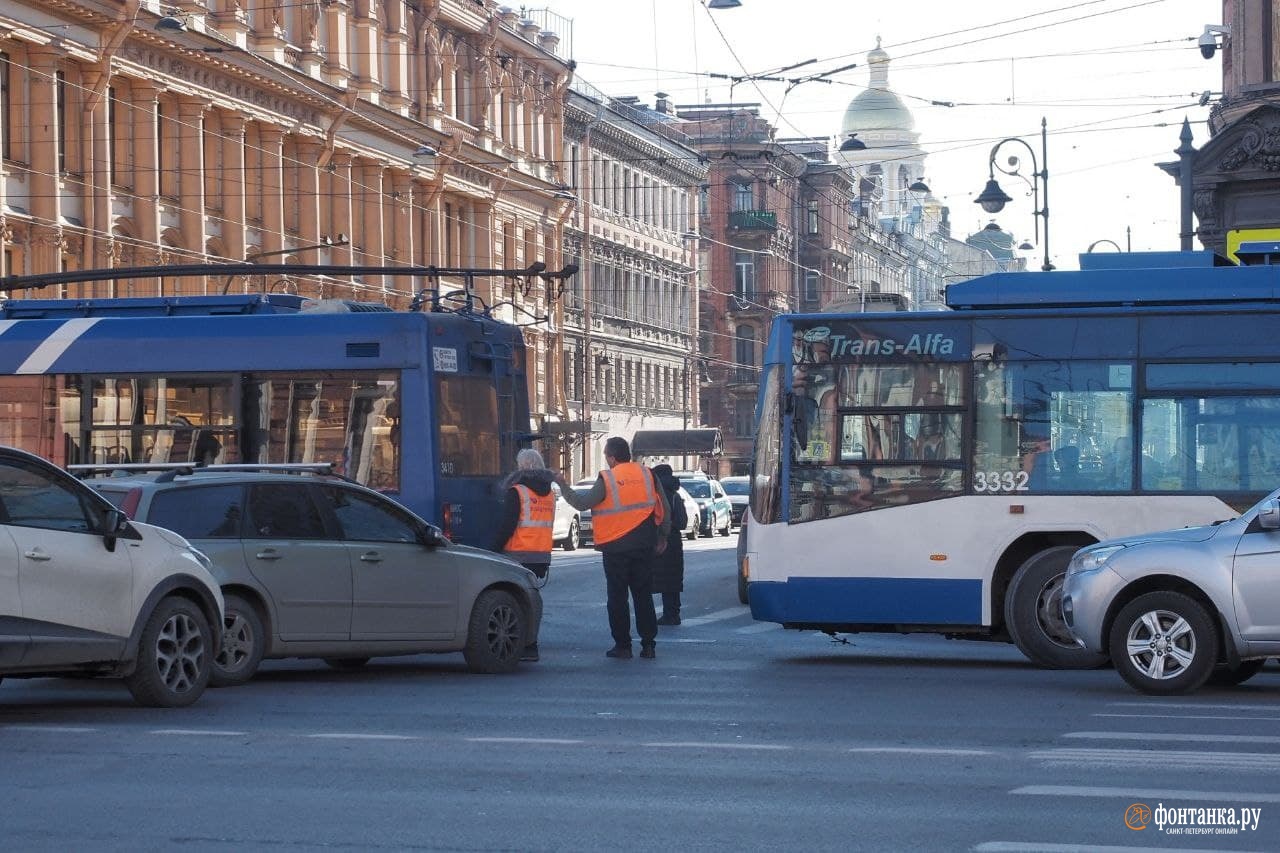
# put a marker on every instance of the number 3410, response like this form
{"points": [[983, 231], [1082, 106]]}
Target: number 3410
{"points": [[1000, 481]]}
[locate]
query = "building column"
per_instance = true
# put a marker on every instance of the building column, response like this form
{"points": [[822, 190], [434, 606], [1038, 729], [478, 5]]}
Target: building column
{"points": [[190, 157], [369, 48], [45, 190], [233, 184], [340, 189], [309, 192], [272, 188], [372, 238], [146, 181], [335, 70]]}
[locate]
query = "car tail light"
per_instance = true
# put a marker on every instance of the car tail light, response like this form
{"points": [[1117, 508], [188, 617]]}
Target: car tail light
{"points": [[129, 506]]}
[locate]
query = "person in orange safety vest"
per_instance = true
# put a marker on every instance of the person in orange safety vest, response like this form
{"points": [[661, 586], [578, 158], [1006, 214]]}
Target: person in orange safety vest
{"points": [[630, 520], [525, 527]]}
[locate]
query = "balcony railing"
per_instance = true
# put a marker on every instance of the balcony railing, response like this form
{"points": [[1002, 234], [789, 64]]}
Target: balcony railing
{"points": [[753, 220]]}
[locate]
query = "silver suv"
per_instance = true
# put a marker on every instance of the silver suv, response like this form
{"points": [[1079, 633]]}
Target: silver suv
{"points": [[85, 591], [316, 566], [1182, 607]]}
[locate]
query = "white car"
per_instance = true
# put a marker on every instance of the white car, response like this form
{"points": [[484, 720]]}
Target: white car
{"points": [[566, 528], [83, 590]]}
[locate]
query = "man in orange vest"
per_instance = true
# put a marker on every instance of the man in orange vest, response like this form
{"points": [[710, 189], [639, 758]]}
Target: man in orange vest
{"points": [[528, 515], [630, 520]]}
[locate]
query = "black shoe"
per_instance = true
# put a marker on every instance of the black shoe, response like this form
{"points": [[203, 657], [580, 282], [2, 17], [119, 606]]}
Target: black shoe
{"points": [[530, 653], [647, 652], [669, 618], [620, 652]]}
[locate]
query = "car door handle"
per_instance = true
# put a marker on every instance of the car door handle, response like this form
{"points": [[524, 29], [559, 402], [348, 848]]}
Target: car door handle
{"points": [[36, 554], [371, 557], [269, 554]]}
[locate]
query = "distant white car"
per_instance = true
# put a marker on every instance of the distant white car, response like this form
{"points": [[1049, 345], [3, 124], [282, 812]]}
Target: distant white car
{"points": [[566, 530], [694, 524]]}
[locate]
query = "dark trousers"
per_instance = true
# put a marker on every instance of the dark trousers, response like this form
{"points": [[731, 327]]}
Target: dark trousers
{"points": [[671, 602], [630, 572]]}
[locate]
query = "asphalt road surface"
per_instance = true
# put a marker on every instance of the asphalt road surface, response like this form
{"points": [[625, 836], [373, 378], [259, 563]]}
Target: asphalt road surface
{"points": [[740, 736]]}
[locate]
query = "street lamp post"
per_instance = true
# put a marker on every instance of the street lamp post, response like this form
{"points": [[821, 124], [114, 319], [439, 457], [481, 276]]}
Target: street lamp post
{"points": [[993, 198]]}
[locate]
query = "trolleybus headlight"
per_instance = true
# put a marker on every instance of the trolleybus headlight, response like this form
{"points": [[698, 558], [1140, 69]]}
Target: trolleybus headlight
{"points": [[1092, 560]]}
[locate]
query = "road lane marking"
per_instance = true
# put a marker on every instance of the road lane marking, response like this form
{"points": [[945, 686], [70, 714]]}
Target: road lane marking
{"points": [[1146, 793], [1142, 757], [717, 616], [1035, 847], [921, 750], [1166, 736], [32, 727], [1193, 705], [701, 745], [758, 628], [198, 732], [548, 740], [358, 736], [1233, 717]]}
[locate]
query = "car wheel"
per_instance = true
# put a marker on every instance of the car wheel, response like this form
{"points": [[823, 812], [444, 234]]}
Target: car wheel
{"points": [[1033, 613], [346, 664], [1164, 643], [174, 663], [728, 523], [495, 636], [244, 642], [692, 533], [1228, 676], [571, 541]]}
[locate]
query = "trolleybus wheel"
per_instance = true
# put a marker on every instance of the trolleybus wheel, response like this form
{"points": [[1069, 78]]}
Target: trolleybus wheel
{"points": [[1033, 613]]}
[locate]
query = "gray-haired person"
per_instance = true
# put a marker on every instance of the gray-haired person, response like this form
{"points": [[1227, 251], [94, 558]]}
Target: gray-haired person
{"points": [[525, 526]]}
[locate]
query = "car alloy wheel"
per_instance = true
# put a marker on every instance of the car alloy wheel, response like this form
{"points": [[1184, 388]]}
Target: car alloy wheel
{"points": [[243, 644], [174, 664], [1164, 643], [496, 633]]}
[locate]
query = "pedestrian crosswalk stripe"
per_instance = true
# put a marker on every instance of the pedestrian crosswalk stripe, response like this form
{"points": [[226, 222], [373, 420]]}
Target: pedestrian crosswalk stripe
{"points": [[1169, 737], [717, 616], [1034, 847], [1162, 757], [1140, 793]]}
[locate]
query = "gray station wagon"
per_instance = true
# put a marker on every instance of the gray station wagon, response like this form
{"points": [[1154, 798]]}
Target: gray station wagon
{"points": [[315, 566]]}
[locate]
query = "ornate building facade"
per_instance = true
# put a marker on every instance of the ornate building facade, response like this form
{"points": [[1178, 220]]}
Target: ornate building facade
{"points": [[371, 132], [631, 320], [1236, 173]]}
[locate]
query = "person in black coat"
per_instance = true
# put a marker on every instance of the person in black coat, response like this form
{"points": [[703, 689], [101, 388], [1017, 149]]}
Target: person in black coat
{"points": [[668, 567]]}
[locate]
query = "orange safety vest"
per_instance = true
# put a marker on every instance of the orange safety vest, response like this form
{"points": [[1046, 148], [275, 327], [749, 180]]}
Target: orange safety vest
{"points": [[531, 541], [629, 499]]}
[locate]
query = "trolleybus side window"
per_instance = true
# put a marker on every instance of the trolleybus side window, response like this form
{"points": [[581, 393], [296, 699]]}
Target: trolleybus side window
{"points": [[767, 465], [1053, 426]]}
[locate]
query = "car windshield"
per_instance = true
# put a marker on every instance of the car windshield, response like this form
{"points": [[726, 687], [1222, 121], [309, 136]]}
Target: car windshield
{"points": [[697, 488], [736, 487]]}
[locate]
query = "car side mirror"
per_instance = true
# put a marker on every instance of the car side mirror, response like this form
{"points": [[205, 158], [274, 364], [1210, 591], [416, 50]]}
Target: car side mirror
{"points": [[1269, 515], [114, 523], [433, 537]]}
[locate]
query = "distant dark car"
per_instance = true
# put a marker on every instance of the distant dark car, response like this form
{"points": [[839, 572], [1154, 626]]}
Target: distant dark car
{"points": [[715, 513], [738, 488]]}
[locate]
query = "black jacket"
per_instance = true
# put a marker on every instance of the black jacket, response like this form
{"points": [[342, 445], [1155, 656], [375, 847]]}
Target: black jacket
{"points": [[537, 479], [668, 567]]}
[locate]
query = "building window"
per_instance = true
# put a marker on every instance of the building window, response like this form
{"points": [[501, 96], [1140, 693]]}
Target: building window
{"points": [[6, 107], [60, 115], [743, 197], [744, 418], [704, 200], [744, 277], [812, 285], [744, 354], [811, 218]]}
